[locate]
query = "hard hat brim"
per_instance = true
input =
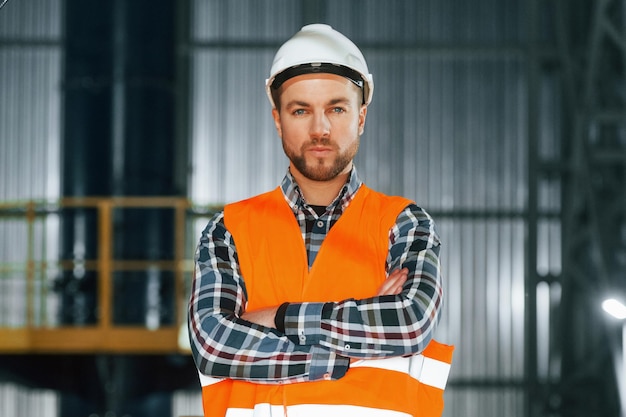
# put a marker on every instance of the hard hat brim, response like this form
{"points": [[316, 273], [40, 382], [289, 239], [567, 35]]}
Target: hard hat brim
{"points": [[315, 68]]}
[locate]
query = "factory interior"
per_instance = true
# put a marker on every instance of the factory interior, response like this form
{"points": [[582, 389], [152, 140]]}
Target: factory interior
{"points": [[126, 124]]}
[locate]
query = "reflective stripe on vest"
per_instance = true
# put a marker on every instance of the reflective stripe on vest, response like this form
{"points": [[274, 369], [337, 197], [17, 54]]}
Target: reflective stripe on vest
{"points": [[428, 371], [312, 410]]}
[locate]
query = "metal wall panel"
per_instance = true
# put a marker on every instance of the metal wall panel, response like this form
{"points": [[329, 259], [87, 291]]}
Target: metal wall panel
{"points": [[432, 24], [451, 133], [29, 122], [222, 22], [233, 135], [30, 59], [187, 403], [31, 20], [16, 401], [30, 103], [236, 151]]}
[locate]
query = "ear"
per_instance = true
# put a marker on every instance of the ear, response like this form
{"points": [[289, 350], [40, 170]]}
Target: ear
{"points": [[276, 116], [362, 116]]}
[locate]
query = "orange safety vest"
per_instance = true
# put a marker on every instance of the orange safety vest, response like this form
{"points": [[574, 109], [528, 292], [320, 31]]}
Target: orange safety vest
{"points": [[350, 264]]}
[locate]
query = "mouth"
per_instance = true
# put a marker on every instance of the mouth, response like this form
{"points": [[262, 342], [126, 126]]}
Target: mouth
{"points": [[320, 148], [319, 151]]}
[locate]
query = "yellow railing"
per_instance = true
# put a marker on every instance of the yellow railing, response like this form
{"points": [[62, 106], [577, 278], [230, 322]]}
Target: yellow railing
{"points": [[38, 336]]}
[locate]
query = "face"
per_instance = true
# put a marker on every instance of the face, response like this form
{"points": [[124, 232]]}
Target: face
{"points": [[320, 122]]}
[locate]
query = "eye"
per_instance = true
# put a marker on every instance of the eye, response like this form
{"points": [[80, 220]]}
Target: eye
{"points": [[338, 110], [298, 112]]}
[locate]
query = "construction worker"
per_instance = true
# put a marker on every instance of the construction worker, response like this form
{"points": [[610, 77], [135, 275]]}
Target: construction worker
{"points": [[322, 296]]}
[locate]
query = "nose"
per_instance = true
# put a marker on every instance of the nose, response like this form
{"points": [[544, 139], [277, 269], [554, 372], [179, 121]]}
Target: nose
{"points": [[320, 126]]}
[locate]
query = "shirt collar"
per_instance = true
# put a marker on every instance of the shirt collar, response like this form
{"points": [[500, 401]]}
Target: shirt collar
{"points": [[295, 199]]}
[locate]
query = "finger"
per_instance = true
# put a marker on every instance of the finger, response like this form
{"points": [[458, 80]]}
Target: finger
{"points": [[398, 274], [397, 289], [393, 284], [398, 281], [388, 285]]}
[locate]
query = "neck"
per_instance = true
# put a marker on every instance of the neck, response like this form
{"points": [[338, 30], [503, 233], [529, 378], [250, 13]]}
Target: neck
{"points": [[320, 193]]}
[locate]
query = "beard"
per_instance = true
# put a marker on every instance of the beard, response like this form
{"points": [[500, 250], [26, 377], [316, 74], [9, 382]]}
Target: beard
{"points": [[318, 169]]}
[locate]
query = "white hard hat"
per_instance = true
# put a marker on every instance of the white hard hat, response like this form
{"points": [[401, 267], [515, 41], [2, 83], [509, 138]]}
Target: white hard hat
{"points": [[320, 48]]}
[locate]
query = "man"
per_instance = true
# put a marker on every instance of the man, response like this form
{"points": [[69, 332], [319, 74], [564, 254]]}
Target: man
{"points": [[318, 297]]}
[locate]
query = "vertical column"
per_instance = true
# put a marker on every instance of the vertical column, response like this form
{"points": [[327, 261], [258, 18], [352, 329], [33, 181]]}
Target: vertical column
{"points": [[86, 149], [143, 158], [119, 140]]}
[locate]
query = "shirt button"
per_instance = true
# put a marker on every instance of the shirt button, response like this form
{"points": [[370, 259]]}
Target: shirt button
{"points": [[302, 338], [327, 376], [347, 347], [320, 224]]}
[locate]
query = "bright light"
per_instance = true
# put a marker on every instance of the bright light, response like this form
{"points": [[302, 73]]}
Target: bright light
{"points": [[614, 308]]}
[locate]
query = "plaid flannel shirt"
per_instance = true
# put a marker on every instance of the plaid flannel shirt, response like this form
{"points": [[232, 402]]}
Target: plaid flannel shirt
{"points": [[319, 338]]}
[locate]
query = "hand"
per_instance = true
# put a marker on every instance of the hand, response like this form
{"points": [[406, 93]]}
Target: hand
{"points": [[394, 282], [262, 316]]}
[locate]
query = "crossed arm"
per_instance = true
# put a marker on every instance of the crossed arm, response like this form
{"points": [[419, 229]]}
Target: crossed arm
{"points": [[391, 286], [228, 341]]}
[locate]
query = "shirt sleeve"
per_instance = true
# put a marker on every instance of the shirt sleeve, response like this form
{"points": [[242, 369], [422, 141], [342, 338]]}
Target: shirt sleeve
{"points": [[385, 326], [224, 345]]}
